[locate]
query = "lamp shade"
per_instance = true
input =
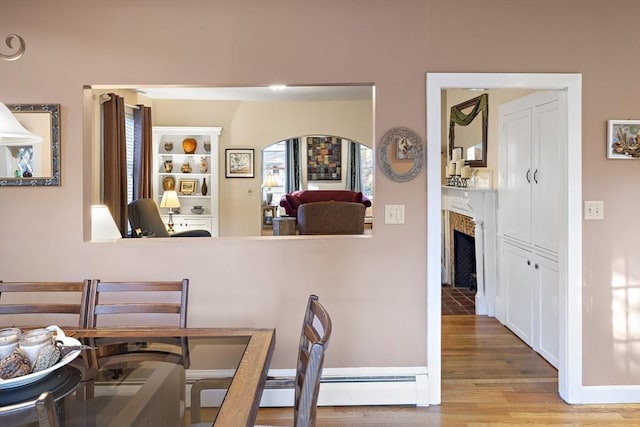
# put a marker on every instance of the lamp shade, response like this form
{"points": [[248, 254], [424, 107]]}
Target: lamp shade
{"points": [[12, 132], [103, 227], [269, 181], [170, 199]]}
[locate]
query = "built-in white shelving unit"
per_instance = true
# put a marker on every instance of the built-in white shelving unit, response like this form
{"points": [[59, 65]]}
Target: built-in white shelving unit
{"points": [[168, 148]]}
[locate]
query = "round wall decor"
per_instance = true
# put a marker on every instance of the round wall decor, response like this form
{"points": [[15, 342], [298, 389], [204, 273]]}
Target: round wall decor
{"points": [[401, 153]]}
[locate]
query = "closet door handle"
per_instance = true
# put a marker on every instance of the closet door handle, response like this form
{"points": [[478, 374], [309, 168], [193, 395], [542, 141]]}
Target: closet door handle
{"points": [[536, 266], [528, 262], [529, 176], [535, 176]]}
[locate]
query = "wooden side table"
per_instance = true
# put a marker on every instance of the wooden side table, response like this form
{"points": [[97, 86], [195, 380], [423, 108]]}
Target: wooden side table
{"points": [[284, 226]]}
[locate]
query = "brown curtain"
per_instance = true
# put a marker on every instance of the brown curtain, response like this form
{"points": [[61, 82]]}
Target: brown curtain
{"points": [[142, 156], [115, 160]]}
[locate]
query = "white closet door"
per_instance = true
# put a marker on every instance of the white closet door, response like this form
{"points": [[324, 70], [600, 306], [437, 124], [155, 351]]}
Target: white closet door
{"points": [[517, 279], [546, 329], [516, 174], [547, 158]]}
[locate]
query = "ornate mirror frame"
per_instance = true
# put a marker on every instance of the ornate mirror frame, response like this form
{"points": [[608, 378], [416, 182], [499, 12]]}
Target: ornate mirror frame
{"points": [[46, 119], [479, 104], [401, 144]]}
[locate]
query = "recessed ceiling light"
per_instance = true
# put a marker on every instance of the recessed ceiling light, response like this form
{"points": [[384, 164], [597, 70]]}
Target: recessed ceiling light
{"points": [[278, 88]]}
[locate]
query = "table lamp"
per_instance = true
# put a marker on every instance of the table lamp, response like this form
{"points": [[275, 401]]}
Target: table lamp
{"points": [[12, 133], [170, 200], [103, 227], [269, 182]]}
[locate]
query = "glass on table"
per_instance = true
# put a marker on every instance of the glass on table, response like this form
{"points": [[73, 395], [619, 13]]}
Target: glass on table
{"points": [[33, 341], [9, 339]]}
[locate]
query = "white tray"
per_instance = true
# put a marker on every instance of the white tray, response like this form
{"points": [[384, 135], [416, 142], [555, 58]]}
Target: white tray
{"points": [[30, 378]]}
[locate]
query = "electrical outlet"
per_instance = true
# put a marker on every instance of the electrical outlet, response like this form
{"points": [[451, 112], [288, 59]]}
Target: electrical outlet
{"points": [[593, 209]]}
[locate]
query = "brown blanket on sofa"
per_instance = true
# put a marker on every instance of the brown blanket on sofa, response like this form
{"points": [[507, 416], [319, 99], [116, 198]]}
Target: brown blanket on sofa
{"points": [[331, 218]]}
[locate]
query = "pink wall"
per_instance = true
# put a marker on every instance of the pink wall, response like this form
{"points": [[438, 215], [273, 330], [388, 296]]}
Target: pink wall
{"points": [[390, 43], [598, 39], [235, 281]]}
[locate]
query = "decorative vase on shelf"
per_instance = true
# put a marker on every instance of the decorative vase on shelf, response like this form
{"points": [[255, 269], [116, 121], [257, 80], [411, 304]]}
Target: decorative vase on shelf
{"points": [[203, 165], [204, 188], [168, 165], [186, 167], [168, 146], [207, 147], [189, 145], [168, 183]]}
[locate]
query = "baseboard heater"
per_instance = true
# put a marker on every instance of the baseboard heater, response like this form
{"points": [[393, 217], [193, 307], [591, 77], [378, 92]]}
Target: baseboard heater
{"points": [[338, 387]]}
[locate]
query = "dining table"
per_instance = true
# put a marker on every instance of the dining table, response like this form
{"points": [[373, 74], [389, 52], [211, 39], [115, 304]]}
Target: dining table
{"points": [[142, 376]]}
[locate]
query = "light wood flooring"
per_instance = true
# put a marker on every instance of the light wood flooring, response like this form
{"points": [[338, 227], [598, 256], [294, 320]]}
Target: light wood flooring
{"points": [[489, 378]]}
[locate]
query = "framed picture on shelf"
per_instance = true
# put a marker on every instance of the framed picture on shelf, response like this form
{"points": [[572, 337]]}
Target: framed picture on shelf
{"points": [[239, 163], [187, 186], [623, 139]]}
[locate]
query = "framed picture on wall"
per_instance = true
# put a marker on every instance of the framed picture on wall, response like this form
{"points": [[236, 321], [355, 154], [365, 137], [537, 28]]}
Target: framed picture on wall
{"points": [[623, 139], [403, 150], [239, 163], [324, 158]]}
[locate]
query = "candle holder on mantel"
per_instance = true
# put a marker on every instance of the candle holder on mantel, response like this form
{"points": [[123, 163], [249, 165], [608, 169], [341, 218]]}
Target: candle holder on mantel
{"points": [[457, 181]]}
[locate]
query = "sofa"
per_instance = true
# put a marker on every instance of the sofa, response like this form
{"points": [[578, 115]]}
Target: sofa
{"points": [[292, 201], [331, 218]]}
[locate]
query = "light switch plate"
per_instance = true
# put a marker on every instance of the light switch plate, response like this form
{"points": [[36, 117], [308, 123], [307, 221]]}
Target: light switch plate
{"points": [[593, 209], [394, 214]]}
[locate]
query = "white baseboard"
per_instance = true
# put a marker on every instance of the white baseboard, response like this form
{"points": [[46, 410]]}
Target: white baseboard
{"points": [[340, 387], [610, 394]]}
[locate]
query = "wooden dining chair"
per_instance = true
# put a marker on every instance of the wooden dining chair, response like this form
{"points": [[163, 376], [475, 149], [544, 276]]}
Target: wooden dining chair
{"points": [[167, 299], [314, 340], [134, 301], [42, 410], [59, 300], [138, 298]]}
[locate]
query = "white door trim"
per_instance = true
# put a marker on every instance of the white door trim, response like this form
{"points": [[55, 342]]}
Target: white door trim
{"points": [[570, 298]]}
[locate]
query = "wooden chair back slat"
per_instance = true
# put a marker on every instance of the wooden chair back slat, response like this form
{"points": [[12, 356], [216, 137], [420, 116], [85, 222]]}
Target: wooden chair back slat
{"points": [[139, 286], [78, 307], [40, 308], [40, 286], [138, 308]]}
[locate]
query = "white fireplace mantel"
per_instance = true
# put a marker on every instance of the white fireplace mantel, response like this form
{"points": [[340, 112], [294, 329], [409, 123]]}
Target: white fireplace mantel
{"points": [[480, 205]]}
